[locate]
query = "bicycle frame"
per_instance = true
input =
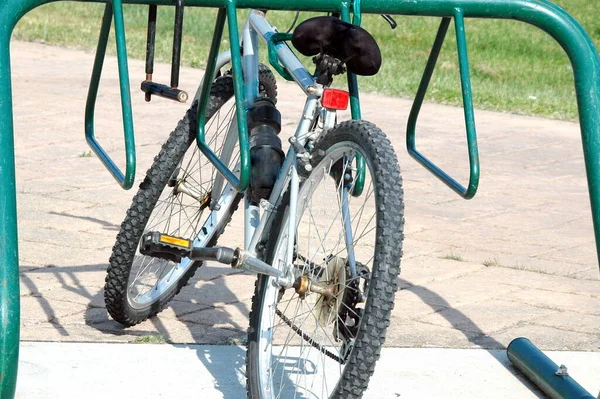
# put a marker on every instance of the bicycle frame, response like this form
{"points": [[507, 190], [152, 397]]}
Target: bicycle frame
{"points": [[256, 228]]}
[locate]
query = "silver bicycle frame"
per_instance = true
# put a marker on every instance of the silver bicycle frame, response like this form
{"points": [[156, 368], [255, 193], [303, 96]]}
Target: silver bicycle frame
{"points": [[256, 229]]}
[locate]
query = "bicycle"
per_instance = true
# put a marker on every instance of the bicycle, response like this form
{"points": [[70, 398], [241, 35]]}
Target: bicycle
{"points": [[326, 282]]}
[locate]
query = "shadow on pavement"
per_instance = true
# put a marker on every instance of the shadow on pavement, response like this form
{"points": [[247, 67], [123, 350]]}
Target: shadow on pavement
{"points": [[204, 322], [69, 278], [105, 225], [462, 323], [207, 323], [228, 371]]}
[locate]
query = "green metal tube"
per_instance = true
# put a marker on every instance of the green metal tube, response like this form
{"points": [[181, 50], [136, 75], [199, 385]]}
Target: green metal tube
{"points": [[272, 47], [425, 80], [355, 111], [238, 87], [543, 372], [240, 183], [352, 79], [125, 180], [204, 98], [9, 260], [465, 81], [125, 93], [357, 12], [302, 5]]}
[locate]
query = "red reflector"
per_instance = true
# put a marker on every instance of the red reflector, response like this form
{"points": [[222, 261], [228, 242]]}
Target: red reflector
{"points": [[335, 99]]}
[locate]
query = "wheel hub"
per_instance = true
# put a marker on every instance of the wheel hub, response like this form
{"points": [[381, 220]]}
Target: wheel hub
{"points": [[193, 192], [334, 277]]}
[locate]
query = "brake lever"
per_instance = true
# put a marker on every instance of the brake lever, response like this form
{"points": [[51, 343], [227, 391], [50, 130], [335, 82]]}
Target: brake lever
{"points": [[390, 20]]}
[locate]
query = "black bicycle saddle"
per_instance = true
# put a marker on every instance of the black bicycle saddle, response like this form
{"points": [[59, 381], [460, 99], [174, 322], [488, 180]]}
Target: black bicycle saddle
{"points": [[346, 42]]}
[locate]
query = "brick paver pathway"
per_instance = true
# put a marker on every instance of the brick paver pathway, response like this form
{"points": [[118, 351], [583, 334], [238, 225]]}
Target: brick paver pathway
{"points": [[518, 260]]}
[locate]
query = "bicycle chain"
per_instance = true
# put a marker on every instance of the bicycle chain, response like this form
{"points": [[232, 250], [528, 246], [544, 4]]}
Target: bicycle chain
{"points": [[311, 341]]}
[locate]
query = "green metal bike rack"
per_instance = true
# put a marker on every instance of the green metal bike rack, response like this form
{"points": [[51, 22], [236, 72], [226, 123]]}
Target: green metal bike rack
{"points": [[124, 180], [465, 79], [540, 13]]}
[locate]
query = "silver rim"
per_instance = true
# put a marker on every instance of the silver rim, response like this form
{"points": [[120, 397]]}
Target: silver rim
{"points": [[299, 361], [184, 210]]}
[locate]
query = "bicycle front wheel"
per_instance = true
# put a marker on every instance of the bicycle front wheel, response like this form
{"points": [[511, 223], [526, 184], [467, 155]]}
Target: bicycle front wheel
{"points": [[321, 338]]}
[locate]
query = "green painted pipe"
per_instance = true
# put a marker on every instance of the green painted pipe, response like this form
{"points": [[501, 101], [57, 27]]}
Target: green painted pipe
{"points": [[543, 372], [9, 258], [465, 81], [361, 165], [126, 179]]}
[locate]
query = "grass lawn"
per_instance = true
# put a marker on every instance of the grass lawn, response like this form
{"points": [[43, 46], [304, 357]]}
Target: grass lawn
{"points": [[514, 67]]}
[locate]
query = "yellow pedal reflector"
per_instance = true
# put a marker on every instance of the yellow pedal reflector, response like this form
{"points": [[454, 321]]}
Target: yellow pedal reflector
{"points": [[180, 242]]}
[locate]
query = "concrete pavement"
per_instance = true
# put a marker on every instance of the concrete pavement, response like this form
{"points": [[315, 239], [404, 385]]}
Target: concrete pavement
{"points": [[518, 260], [68, 370]]}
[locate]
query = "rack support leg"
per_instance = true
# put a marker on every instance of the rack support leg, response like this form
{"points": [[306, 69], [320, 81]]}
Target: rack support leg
{"points": [[9, 259]]}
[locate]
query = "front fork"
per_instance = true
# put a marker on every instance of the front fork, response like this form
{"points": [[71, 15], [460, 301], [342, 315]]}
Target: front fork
{"points": [[327, 120], [347, 222]]}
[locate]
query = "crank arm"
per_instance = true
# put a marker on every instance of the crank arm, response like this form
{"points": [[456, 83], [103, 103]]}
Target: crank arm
{"points": [[254, 265], [171, 248]]}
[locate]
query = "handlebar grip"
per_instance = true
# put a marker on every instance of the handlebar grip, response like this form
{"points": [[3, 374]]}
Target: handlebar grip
{"points": [[390, 20]]}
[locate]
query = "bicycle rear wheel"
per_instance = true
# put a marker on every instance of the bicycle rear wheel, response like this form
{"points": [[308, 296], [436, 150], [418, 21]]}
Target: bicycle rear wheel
{"points": [[323, 342], [177, 197]]}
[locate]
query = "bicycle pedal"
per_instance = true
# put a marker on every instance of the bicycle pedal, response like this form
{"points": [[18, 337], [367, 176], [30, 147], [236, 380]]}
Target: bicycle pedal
{"points": [[171, 248], [163, 246]]}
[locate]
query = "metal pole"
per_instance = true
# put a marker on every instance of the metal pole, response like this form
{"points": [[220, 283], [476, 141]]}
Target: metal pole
{"points": [[543, 372], [9, 259]]}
